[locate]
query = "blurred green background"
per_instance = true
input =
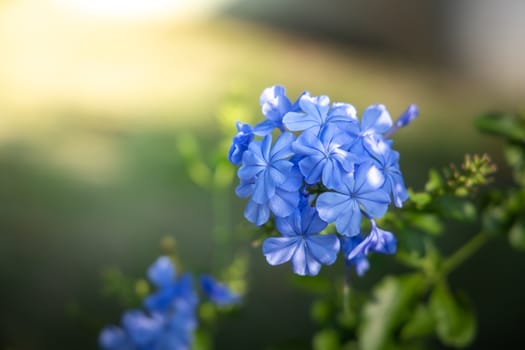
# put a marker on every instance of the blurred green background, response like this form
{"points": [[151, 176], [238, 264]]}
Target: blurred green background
{"points": [[94, 96]]}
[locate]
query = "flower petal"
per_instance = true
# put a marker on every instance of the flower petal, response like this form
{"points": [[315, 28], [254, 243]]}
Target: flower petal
{"points": [[331, 205], [376, 118], [257, 214], [279, 250], [324, 248]]}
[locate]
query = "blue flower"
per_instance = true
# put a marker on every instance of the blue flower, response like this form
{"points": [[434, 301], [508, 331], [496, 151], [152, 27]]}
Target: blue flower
{"points": [[301, 243], [324, 156], [358, 261], [387, 161], [375, 120], [171, 316], [404, 119], [283, 203], [162, 272], [178, 295], [267, 166], [218, 292], [178, 332], [141, 328], [274, 104], [316, 113], [378, 241], [240, 143], [363, 193]]}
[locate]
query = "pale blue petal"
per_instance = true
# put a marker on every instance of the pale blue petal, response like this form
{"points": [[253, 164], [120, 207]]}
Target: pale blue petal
{"points": [[331, 205], [303, 263], [283, 147], [349, 222], [296, 121], [265, 127], [279, 171], [316, 107], [294, 181], [286, 225], [256, 213], [383, 241], [343, 112], [311, 223], [270, 93], [283, 203], [279, 250], [312, 167], [264, 188], [324, 248], [308, 144], [245, 189], [374, 203], [368, 178], [376, 118], [399, 190]]}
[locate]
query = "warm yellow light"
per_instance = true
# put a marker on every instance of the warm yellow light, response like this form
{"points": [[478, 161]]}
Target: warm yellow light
{"points": [[129, 9]]}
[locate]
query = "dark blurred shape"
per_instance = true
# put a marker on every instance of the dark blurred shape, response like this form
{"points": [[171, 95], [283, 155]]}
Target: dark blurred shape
{"points": [[410, 27]]}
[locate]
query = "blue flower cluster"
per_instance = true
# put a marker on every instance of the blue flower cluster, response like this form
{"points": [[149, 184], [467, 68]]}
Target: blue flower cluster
{"points": [[325, 169], [171, 316]]}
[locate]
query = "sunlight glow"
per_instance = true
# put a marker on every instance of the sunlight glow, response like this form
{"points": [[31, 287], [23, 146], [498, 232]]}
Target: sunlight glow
{"points": [[131, 9]]}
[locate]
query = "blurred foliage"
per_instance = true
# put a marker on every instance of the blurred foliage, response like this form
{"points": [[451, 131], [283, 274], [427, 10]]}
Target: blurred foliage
{"points": [[410, 310]]}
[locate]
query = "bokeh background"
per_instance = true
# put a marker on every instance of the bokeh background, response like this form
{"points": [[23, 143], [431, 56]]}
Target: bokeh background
{"points": [[95, 95]]}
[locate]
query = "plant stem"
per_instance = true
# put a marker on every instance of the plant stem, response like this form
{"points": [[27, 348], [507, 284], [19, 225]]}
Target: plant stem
{"points": [[465, 252]]}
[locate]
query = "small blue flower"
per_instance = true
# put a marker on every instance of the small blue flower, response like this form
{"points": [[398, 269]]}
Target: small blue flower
{"points": [[316, 114], [240, 143], [404, 119], [324, 156], [268, 165], [358, 261], [363, 193], [274, 104], [378, 241], [387, 161], [375, 120], [172, 292], [283, 203], [217, 292], [301, 243], [162, 272]]}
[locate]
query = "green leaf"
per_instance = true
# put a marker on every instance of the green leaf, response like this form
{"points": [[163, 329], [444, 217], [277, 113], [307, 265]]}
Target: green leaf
{"points": [[391, 306], [458, 208], [517, 234], [435, 182], [515, 156], [508, 126], [421, 324], [419, 198], [327, 339], [455, 321], [428, 223]]}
